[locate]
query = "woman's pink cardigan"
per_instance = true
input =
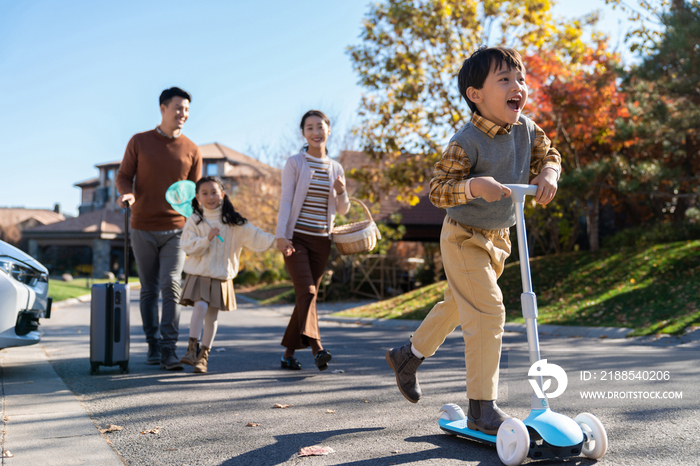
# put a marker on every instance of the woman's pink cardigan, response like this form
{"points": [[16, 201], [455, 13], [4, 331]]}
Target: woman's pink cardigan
{"points": [[296, 178]]}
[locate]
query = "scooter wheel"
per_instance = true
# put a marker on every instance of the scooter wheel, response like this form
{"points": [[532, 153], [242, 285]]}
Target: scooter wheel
{"points": [[512, 442], [596, 439], [452, 412]]}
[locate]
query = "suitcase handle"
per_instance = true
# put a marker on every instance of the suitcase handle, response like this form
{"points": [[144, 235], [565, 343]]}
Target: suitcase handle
{"points": [[126, 243]]}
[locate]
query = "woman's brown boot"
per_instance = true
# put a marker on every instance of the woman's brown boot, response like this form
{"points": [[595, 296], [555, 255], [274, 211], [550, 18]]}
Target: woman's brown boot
{"points": [[191, 356], [200, 366]]}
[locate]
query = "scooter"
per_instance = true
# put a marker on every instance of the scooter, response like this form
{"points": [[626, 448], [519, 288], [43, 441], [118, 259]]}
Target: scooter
{"points": [[544, 433]]}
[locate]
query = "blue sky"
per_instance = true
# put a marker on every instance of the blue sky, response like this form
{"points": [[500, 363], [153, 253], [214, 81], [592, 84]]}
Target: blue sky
{"points": [[79, 78]]}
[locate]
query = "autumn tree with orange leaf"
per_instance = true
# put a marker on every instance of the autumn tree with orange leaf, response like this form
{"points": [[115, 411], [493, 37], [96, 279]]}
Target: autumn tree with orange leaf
{"points": [[408, 60], [577, 102]]}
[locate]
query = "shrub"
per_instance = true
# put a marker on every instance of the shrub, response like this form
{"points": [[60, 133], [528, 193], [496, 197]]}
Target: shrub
{"points": [[247, 277], [654, 234], [270, 276]]}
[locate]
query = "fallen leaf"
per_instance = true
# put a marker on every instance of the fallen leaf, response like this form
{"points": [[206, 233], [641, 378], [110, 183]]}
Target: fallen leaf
{"points": [[338, 371], [110, 428], [155, 430], [365, 400], [7, 454], [277, 405], [330, 411], [252, 424], [315, 450]]}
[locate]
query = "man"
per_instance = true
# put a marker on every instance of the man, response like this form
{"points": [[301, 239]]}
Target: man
{"points": [[152, 162]]}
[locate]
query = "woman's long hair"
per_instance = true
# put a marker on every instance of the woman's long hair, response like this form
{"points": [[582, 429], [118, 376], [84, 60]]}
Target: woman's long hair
{"points": [[229, 216]]}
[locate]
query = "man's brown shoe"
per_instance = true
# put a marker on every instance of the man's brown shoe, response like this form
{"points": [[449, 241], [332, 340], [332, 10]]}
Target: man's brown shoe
{"points": [[404, 364]]}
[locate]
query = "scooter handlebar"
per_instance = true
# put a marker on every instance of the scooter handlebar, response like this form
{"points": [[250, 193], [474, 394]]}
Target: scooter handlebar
{"points": [[519, 191]]}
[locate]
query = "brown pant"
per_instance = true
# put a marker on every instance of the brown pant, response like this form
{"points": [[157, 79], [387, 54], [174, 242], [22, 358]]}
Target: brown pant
{"points": [[473, 261], [305, 266]]}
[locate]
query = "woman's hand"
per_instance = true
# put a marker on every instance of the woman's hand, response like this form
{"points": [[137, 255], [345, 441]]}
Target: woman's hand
{"points": [[339, 185], [285, 246], [488, 189], [213, 233]]}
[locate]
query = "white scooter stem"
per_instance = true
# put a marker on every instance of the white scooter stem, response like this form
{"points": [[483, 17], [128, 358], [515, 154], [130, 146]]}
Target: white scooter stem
{"points": [[528, 299]]}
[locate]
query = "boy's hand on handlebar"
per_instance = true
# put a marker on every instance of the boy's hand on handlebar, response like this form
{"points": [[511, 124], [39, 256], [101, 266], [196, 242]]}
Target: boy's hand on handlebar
{"points": [[546, 183], [213, 233], [488, 189], [285, 246]]}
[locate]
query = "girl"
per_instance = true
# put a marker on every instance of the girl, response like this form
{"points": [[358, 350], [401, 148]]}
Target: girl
{"points": [[313, 190], [211, 263]]}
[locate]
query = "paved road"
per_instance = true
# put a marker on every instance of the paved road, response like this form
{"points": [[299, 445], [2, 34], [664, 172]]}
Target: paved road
{"points": [[53, 408]]}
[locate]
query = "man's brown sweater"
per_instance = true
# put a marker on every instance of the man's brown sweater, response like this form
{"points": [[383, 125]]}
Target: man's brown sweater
{"points": [[151, 164]]}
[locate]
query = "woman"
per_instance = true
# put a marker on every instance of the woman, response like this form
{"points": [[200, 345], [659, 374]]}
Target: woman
{"points": [[313, 191]]}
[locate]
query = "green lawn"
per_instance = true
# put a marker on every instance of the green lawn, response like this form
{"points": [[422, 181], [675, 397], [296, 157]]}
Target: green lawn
{"points": [[652, 289], [60, 290], [274, 293]]}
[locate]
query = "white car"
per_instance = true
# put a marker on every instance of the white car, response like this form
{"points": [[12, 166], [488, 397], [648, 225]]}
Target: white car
{"points": [[24, 290]]}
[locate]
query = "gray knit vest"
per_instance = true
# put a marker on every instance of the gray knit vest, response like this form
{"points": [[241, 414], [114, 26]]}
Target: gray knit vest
{"points": [[506, 158]]}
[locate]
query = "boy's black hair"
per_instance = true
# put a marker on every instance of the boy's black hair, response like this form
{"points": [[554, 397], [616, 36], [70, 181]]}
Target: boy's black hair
{"points": [[477, 67], [229, 216], [167, 95]]}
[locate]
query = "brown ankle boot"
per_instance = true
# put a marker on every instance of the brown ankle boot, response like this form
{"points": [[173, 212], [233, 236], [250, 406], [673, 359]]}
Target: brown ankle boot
{"points": [[191, 356], [485, 416], [200, 366]]}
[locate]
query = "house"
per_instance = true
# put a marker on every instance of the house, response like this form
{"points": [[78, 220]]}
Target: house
{"points": [[14, 220], [423, 221], [93, 242]]}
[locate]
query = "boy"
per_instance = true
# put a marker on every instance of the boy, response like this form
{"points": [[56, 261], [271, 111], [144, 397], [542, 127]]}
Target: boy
{"points": [[499, 146]]}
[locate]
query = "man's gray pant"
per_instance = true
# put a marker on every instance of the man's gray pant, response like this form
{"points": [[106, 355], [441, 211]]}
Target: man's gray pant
{"points": [[160, 261]]}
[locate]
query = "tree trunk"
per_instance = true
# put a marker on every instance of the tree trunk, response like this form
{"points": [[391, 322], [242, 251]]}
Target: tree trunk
{"points": [[592, 219]]}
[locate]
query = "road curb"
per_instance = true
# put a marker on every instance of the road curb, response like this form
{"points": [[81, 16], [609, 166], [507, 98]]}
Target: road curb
{"points": [[562, 331]]}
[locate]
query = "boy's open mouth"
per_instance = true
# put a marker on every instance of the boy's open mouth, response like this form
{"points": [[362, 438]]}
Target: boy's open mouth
{"points": [[514, 103]]}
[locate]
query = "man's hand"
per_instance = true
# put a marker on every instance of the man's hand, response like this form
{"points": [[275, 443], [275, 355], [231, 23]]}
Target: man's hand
{"points": [[126, 198], [285, 246], [546, 183], [488, 189]]}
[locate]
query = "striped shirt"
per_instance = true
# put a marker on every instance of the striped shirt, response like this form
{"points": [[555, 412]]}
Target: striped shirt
{"points": [[313, 218], [447, 188]]}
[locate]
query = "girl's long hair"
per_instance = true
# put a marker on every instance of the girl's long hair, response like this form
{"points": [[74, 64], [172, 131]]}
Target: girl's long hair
{"points": [[229, 216]]}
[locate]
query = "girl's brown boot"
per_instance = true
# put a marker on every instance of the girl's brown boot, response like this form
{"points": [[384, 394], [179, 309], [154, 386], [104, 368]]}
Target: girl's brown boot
{"points": [[200, 366], [191, 356]]}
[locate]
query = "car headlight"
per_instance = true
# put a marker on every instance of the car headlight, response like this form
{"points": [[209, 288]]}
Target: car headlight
{"points": [[21, 272]]}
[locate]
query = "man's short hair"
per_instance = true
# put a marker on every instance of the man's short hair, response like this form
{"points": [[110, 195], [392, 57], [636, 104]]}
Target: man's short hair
{"points": [[167, 95], [477, 67]]}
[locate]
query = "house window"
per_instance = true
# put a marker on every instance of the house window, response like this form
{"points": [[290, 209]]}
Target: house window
{"points": [[211, 169]]}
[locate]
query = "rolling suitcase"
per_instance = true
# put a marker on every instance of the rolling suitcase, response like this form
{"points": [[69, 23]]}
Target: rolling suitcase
{"points": [[109, 318]]}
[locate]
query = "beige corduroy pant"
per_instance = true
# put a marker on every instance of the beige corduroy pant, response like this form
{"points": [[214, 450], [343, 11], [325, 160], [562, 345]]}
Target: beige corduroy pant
{"points": [[473, 260]]}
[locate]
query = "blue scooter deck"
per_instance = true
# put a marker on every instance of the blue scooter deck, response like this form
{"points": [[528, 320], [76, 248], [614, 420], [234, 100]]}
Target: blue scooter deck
{"points": [[460, 428]]}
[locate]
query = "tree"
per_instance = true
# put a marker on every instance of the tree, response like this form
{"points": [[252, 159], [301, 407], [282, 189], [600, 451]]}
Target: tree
{"points": [[577, 102], [408, 61], [665, 94]]}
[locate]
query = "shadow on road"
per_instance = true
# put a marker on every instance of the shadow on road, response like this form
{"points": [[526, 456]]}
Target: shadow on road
{"points": [[289, 445]]}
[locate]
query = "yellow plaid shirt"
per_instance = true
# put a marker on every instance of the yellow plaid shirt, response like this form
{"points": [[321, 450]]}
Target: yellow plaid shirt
{"points": [[447, 188]]}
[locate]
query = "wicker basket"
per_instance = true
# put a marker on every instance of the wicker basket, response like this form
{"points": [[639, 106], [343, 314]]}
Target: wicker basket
{"points": [[356, 237]]}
